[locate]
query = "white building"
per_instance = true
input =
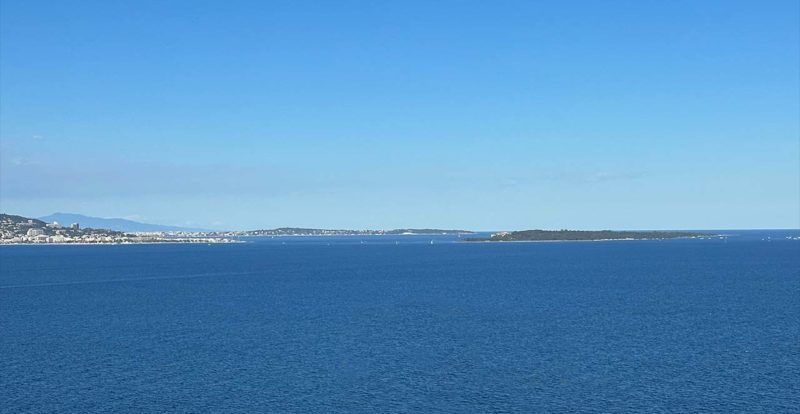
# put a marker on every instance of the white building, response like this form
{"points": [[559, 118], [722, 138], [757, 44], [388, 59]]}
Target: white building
{"points": [[35, 232]]}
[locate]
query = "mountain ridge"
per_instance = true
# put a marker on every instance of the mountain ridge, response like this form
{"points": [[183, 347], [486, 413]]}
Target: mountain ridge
{"points": [[117, 224]]}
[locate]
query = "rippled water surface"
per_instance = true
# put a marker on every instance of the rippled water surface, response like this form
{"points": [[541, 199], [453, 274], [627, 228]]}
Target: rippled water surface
{"points": [[397, 324]]}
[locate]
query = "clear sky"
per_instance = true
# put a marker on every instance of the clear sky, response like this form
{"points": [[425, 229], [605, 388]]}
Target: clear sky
{"points": [[362, 114]]}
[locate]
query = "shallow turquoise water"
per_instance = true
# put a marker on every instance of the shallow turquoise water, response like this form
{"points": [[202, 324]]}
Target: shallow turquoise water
{"points": [[396, 324]]}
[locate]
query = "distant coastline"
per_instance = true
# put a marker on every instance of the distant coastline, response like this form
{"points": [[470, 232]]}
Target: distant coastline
{"points": [[299, 231], [175, 241], [18, 230]]}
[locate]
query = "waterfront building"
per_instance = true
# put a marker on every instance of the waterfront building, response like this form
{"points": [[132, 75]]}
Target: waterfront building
{"points": [[35, 232]]}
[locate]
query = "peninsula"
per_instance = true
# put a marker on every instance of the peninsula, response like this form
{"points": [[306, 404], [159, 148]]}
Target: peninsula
{"points": [[583, 235], [297, 231]]}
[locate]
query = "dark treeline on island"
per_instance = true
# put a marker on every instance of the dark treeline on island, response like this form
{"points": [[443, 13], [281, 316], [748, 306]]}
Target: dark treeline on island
{"points": [[577, 235]]}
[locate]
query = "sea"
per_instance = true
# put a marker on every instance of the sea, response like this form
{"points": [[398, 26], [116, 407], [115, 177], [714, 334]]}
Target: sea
{"points": [[403, 324]]}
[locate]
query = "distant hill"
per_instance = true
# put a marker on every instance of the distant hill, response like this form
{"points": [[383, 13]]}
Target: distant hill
{"points": [[575, 235], [12, 219], [117, 224]]}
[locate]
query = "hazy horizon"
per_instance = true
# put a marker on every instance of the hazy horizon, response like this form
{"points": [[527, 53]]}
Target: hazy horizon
{"points": [[520, 115], [403, 227]]}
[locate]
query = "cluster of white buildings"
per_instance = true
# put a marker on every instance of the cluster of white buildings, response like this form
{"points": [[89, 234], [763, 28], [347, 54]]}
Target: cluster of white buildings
{"points": [[37, 236], [21, 230]]}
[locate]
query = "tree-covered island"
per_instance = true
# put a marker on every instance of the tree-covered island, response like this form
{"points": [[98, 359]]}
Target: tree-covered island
{"points": [[584, 235]]}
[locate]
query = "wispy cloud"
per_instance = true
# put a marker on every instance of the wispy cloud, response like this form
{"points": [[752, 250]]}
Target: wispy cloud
{"points": [[22, 177], [22, 161], [594, 177], [603, 176]]}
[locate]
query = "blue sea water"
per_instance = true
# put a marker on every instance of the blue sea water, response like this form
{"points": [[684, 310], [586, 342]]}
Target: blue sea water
{"points": [[397, 324]]}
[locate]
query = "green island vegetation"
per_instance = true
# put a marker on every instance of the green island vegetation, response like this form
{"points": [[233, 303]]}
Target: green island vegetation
{"points": [[577, 235]]}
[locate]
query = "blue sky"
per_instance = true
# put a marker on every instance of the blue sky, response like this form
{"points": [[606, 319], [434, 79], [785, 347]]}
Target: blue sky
{"points": [[480, 115]]}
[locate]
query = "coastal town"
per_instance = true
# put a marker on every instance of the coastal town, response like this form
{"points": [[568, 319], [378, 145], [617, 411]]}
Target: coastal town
{"points": [[296, 231], [23, 230]]}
